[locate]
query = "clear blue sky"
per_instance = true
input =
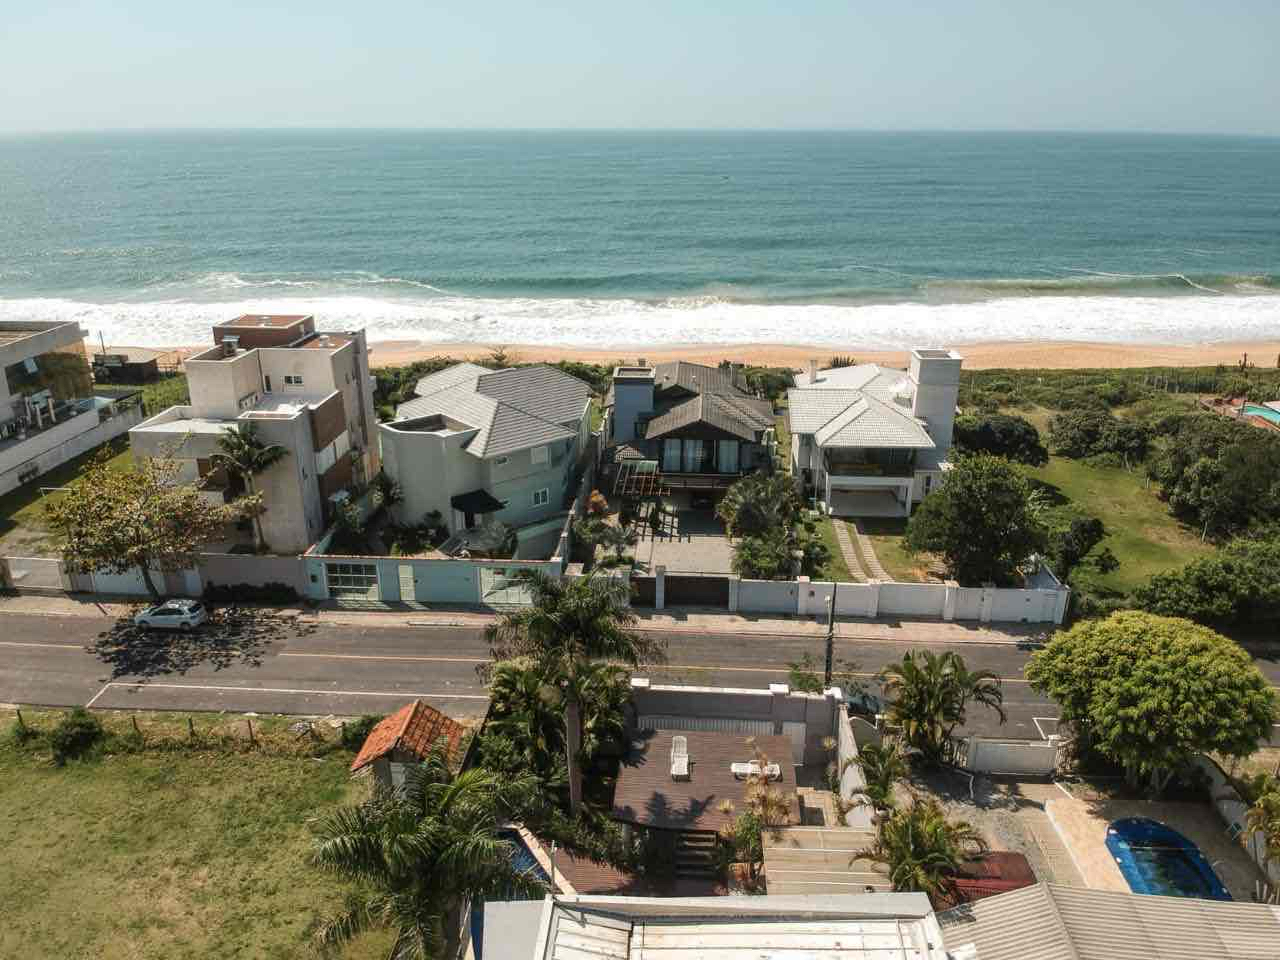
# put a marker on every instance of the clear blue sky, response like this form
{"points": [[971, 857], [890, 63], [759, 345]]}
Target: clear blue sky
{"points": [[892, 64]]}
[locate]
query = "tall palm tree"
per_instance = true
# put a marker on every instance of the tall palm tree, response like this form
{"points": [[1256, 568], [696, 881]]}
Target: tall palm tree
{"points": [[927, 696], [245, 454], [922, 848], [569, 624], [882, 765], [1264, 815], [420, 852]]}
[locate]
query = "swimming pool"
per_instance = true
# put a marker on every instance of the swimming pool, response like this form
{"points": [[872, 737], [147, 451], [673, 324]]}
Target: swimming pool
{"points": [[1266, 413], [524, 860], [1157, 860]]}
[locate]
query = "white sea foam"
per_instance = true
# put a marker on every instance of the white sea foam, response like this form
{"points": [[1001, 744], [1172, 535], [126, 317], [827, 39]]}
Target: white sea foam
{"points": [[604, 323]]}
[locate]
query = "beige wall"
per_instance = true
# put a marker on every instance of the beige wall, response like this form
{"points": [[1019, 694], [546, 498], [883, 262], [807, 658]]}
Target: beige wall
{"points": [[218, 386]]}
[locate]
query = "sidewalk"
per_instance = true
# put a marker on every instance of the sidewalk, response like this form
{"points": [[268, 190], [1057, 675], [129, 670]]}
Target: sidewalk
{"points": [[680, 620]]}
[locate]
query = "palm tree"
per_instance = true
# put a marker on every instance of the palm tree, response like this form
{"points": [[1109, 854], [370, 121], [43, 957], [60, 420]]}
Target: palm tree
{"points": [[1264, 815], [927, 695], [246, 454], [882, 765], [569, 624], [922, 848], [419, 853]]}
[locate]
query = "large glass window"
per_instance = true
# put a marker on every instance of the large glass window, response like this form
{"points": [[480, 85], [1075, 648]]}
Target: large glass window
{"points": [[694, 455], [671, 455], [727, 461]]}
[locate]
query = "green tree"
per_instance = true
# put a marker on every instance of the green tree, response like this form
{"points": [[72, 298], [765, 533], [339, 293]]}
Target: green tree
{"points": [[243, 453], [1234, 586], [767, 808], [1264, 815], [1070, 544], [419, 853], [882, 765], [775, 554], [1091, 432], [922, 848], [760, 504], [569, 624], [984, 521], [1001, 435], [1150, 692], [140, 519], [927, 696]]}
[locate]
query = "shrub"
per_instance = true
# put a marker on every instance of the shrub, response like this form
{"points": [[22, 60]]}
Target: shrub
{"points": [[1001, 435], [355, 732], [1090, 433], [1234, 586], [75, 735]]}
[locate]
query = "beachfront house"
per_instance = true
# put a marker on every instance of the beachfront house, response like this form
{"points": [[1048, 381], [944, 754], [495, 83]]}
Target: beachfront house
{"points": [[685, 426], [309, 392], [50, 409], [479, 445], [867, 441]]}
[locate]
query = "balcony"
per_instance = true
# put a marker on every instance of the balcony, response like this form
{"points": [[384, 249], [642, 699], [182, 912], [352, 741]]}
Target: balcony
{"points": [[844, 468]]}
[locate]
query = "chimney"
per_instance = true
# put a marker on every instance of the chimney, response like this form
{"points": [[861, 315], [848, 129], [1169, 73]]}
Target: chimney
{"points": [[813, 370]]}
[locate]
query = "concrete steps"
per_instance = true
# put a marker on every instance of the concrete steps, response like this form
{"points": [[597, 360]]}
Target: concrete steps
{"points": [[869, 558]]}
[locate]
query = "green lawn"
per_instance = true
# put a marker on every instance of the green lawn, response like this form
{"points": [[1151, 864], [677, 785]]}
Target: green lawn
{"points": [[836, 569], [783, 436], [23, 531], [1141, 532], [885, 534], [166, 854]]}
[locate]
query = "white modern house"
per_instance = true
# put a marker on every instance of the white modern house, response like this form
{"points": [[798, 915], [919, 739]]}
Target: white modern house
{"points": [[50, 411], [307, 391], [479, 444], [871, 441]]}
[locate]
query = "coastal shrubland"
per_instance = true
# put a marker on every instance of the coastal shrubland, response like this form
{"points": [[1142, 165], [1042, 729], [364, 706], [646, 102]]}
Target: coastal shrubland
{"points": [[1002, 435]]}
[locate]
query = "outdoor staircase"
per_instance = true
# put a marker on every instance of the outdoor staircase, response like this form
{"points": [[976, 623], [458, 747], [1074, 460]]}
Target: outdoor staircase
{"points": [[696, 855]]}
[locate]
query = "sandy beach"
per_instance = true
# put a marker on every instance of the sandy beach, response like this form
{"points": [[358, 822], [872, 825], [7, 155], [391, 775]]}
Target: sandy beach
{"points": [[1044, 354]]}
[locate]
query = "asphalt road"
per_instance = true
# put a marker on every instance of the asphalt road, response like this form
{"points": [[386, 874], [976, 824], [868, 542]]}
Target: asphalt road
{"points": [[263, 663]]}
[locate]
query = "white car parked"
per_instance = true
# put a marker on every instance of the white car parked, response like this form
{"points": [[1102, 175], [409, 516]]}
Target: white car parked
{"points": [[173, 615]]}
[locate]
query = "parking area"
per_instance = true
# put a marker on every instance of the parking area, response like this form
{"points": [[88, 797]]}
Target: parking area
{"points": [[692, 540]]}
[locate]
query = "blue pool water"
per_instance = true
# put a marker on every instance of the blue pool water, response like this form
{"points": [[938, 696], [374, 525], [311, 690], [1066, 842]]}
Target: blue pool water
{"points": [[1266, 413], [1157, 860]]}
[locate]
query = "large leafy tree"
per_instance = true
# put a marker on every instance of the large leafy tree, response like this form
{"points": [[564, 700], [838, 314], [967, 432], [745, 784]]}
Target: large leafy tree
{"points": [[1001, 435], [1232, 586], [928, 694], [568, 625], [243, 453], [984, 521], [1150, 692], [140, 519], [420, 852], [922, 849]]}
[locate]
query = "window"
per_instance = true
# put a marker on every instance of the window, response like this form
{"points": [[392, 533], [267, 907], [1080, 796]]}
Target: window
{"points": [[541, 454], [266, 382], [671, 454], [928, 483], [541, 497], [291, 380], [352, 580], [727, 456], [694, 455], [501, 461]]}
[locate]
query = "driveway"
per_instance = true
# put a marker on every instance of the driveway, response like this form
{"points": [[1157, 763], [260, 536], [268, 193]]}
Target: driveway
{"points": [[691, 541]]}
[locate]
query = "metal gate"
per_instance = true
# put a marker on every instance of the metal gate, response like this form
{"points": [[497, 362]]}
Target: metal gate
{"points": [[643, 592], [694, 591]]}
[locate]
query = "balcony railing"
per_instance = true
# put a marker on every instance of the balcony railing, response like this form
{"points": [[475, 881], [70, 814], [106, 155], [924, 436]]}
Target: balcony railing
{"points": [[848, 469]]}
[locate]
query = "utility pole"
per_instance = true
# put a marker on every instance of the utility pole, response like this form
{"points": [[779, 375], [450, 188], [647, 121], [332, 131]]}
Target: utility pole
{"points": [[831, 635]]}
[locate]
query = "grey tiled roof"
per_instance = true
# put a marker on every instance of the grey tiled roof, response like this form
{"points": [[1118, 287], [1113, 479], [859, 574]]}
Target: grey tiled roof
{"points": [[448, 378], [510, 409], [695, 377], [853, 418], [744, 417], [1053, 922], [880, 382]]}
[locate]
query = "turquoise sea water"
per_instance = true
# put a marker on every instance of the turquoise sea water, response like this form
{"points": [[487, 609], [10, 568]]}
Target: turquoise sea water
{"points": [[612, 238]]}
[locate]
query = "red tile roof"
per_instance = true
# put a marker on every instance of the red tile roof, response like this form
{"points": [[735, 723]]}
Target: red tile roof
{"points": [[414, 728]]}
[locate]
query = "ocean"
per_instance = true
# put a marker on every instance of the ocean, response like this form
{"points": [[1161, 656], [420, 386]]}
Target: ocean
{"points": [[874, 240]]}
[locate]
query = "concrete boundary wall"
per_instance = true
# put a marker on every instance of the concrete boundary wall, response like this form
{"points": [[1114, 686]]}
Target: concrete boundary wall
{"points": [[43, 452], [1234, 813], [852, 782], [939, 601]]}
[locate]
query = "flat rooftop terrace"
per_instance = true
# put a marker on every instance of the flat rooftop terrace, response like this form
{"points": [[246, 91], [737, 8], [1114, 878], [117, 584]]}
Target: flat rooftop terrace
{"points": [[249, 321]]}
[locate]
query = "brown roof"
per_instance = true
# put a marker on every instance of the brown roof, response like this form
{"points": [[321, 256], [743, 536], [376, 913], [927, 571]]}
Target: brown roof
{"points": [[326, 341], [414, 728], [265, 320], [645, 793], [742, 417]]}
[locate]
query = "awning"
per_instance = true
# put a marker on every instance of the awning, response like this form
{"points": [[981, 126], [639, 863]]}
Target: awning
{"points": [[477, 501]]}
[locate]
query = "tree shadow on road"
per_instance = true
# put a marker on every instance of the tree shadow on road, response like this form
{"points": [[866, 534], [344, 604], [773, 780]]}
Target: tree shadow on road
{"points": [[234, 636]]}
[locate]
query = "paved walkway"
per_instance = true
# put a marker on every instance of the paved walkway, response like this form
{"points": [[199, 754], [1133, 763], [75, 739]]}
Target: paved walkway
{"points": [[871, 561], [693, 620], [847, 551]]}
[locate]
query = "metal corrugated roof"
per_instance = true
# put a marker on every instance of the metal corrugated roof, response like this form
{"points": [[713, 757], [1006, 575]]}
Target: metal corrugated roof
{"points": [[853, 418], [1054, 922]]}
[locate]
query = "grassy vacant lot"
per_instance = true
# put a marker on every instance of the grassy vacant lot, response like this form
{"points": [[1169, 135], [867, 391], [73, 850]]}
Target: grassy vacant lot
{"points": [[159, 854], [23, 531], [1141, 532]]}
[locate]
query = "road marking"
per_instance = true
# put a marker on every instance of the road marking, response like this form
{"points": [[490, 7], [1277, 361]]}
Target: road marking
{"points": [[322, 693], [95, 697], [52, 646], [379, 656]]}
